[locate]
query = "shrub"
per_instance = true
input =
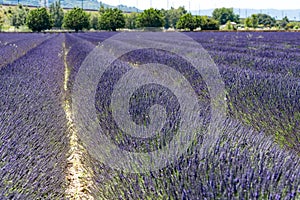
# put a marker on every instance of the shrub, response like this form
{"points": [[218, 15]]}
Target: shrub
{"points": [[38, 20]]}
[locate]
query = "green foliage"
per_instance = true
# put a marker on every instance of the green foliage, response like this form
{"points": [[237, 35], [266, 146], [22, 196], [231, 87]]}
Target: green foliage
{"points": [[229, 26], [200, 21], [166, 15], [172, 16], [94, 21], [266, 20], [9, 11], [254, 19], [223, 15], [76, 19], [38, 20], [150, 18], [248, 22], [289, 26], [251, 21], [111, 19], [293, 25], [130, 21], [1, 20], [56, 14], [101, 9], [187, 21], [284, 22], [209, 24], [18, 16]]}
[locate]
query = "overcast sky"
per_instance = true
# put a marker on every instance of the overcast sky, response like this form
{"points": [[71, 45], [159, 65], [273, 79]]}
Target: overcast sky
{"points": [[207, 4]]}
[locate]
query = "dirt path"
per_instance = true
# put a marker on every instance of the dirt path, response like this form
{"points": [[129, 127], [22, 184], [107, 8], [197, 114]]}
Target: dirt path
{"points": [[79, 176]]}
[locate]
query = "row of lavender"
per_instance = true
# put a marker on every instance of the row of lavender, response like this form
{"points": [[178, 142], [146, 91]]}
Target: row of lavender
{"points": [[33, 142], [14, 46], [242, 164], [262, 75], [261, 72]]}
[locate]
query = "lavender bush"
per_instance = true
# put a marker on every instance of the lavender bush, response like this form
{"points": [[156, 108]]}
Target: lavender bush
{"points": [[256, 156], [33, 126], [244, 163]]}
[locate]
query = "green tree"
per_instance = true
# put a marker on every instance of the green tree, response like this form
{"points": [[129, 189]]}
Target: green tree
{"points": [[289, 26], [284, 22], [131, 21], [56, 14], [166, 15], [200, 20], [101, 9], [2, 19], [38, 20], [254, 20], [172, 16], [224, 15], [229, 26], [251, 21], [210, 24], [248, 22], [76, 19], [111, 19], [18, 16], [150, 18], [266, 20], [94, 21], [187, 21]]}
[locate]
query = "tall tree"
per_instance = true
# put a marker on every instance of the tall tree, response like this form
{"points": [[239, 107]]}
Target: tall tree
{"points": [[248, 22], [94, 21], [225, 14], [187, 21], [111, 19], [166, 14], [200, 21], [211, 24], [101, 9], [130, 21], [266, 20], [56, 14], [251, 21], [76, 19], [38, 20], [150, 18], [207, 23], [18, 16], [284, 22], [1, 20], [172, 16], [254, 20]]}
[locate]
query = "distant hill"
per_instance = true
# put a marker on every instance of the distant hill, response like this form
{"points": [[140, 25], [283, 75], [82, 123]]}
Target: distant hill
{"points": [[87, 4], [277, 14]]}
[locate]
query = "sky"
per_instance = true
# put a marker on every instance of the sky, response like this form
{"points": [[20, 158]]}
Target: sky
{"points": [[208, 4]]}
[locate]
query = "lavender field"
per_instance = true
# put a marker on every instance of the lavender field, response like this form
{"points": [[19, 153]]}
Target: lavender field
{"points": [[255, 157]]}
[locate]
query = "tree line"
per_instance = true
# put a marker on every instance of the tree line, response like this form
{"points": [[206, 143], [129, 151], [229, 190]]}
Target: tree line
{"points": [[112, 19], [259, 20]]}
